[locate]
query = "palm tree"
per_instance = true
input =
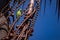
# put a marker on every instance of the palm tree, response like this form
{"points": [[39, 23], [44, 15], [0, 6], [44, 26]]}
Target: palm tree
{"points": [[26, 27]]}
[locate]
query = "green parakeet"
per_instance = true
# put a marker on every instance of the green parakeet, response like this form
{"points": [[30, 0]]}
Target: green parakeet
{"points": [[18, 13]]}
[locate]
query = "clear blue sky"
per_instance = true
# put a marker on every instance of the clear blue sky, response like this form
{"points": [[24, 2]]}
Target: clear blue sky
{"points": [[47, 26]]}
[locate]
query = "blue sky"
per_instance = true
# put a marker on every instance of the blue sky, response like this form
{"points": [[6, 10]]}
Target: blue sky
{"points": [[47, 26]]}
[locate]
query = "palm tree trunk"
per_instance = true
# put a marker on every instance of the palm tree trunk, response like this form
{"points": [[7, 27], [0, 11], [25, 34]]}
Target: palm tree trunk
{"points": [[3, 27]]}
